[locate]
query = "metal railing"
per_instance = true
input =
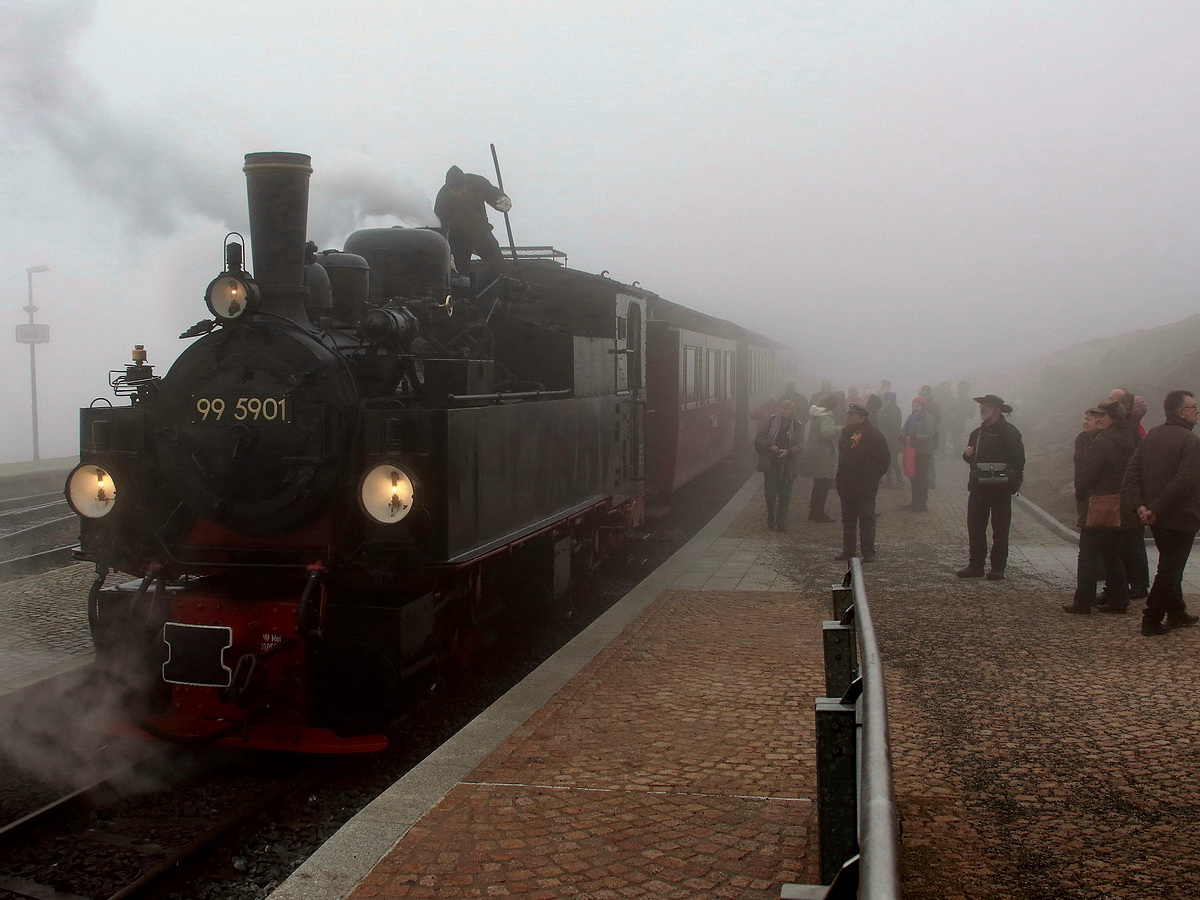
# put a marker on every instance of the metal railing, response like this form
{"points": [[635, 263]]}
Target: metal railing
{"points": [[856, 804]]}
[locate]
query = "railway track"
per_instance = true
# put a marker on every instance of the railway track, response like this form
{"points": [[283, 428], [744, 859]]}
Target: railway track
{"points": [[31, 501], [97, 842], [37, 533]]}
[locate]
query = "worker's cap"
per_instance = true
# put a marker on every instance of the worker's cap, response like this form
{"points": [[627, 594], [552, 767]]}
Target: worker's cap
{"points": [[855, 409]]}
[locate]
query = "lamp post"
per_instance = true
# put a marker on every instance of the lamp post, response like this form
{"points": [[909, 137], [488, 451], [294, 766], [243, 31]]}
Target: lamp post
{"points": [[33, 335]]}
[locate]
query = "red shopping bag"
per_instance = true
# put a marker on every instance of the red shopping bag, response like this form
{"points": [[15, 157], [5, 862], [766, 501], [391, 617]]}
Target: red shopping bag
{"points": [[909, 456]]}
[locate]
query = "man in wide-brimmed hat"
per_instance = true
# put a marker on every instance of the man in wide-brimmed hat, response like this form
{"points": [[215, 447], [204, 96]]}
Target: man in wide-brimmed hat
{"points": [[996, 456]]}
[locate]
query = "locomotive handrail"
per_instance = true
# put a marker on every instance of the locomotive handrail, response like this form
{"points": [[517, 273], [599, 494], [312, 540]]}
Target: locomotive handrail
{"points": [[512, 395]]}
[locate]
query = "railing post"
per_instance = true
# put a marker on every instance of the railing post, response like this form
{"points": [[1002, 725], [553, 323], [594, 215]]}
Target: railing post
{"points": [[837, 785], [840, 659], [843, 599]]}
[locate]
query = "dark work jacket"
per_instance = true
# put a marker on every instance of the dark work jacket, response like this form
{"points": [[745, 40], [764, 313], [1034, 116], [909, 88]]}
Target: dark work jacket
{"points": [[860, 467], [791, 437], [1164, 475], [464, 209], [999, 442]]}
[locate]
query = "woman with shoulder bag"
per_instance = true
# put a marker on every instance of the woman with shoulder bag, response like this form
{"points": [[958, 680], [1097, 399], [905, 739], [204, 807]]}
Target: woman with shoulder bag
{"points": [[1099, 470]]}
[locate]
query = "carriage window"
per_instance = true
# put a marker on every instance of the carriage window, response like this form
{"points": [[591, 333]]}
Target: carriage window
{"points": [[691, 375]]}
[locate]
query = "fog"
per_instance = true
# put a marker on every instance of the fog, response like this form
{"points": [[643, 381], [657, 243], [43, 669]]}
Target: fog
{"points": [[921, 191]]}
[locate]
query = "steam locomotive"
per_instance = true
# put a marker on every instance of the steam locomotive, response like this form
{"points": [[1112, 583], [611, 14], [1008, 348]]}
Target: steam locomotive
{"points": [[363, 456]]}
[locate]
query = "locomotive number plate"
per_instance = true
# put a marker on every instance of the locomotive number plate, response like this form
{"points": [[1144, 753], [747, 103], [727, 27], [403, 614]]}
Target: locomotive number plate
{"points": [[242, 409]]}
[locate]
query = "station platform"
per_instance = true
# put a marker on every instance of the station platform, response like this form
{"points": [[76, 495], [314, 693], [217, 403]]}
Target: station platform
{"points": [[668, 750], [34, 476]]}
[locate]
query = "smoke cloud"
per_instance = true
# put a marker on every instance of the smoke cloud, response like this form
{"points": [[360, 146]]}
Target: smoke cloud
{"points": [[153, 180]]}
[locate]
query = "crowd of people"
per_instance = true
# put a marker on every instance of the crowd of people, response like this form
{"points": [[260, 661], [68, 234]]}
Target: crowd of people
{"points": [[856, 440], [1126, 480]]}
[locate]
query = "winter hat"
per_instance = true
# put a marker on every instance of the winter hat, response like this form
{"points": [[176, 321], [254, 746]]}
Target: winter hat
{"points": [[1139, 409]]}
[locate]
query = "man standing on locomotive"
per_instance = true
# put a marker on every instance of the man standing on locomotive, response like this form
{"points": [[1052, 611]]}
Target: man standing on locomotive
{"points": [[459, 208]]}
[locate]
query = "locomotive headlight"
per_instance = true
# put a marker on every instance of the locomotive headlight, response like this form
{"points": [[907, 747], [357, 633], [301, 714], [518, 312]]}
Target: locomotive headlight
{"points": [[229, 296], [386, 493], [90, 491]]}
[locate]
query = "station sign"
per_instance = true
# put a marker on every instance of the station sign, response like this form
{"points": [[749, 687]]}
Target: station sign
{"points": [[33, 334]]}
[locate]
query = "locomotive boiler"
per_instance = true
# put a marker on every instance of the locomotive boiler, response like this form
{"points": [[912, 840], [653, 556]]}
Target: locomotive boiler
{"points": [[360, 458]]}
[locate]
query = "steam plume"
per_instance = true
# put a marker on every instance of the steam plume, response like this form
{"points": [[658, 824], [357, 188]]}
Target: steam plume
{"points": [[153, 180]]}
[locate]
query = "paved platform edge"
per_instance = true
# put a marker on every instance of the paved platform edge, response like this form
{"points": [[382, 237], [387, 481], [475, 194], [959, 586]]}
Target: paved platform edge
{"points": [[1048, 520], [348, 857], [46, 673]]}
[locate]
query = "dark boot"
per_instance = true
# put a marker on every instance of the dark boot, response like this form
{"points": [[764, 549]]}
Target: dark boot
{"points": [[1152, 627]]}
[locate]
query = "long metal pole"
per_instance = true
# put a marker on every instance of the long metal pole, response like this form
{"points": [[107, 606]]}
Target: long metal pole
{"points": [[31, 309], [500, 184]]}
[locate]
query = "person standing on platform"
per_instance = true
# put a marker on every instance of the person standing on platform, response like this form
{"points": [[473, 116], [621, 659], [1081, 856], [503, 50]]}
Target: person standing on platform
{"points": [[934, 409], [819, 459], [996, 456], [890, 419], [863, 458], [777, 446], [919, 432], [1133, 533], [1162, 483], [1098, 476]]}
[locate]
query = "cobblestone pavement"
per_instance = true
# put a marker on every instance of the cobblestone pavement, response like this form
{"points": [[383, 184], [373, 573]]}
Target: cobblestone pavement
{"points": [[1037, 754], [43, 624]]}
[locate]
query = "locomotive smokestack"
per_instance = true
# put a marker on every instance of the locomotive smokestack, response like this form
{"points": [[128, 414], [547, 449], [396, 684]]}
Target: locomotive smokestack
{"points": [[277, 190]]}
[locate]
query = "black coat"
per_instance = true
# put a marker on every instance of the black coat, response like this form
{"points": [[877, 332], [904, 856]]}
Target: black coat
{"points": [[462, 208], [863, 462], [999, 442]]}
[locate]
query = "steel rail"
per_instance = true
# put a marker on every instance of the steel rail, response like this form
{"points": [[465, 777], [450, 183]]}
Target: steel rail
{"points": [[16, 510], [34, 530], [37, 562], [31, 501]]}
